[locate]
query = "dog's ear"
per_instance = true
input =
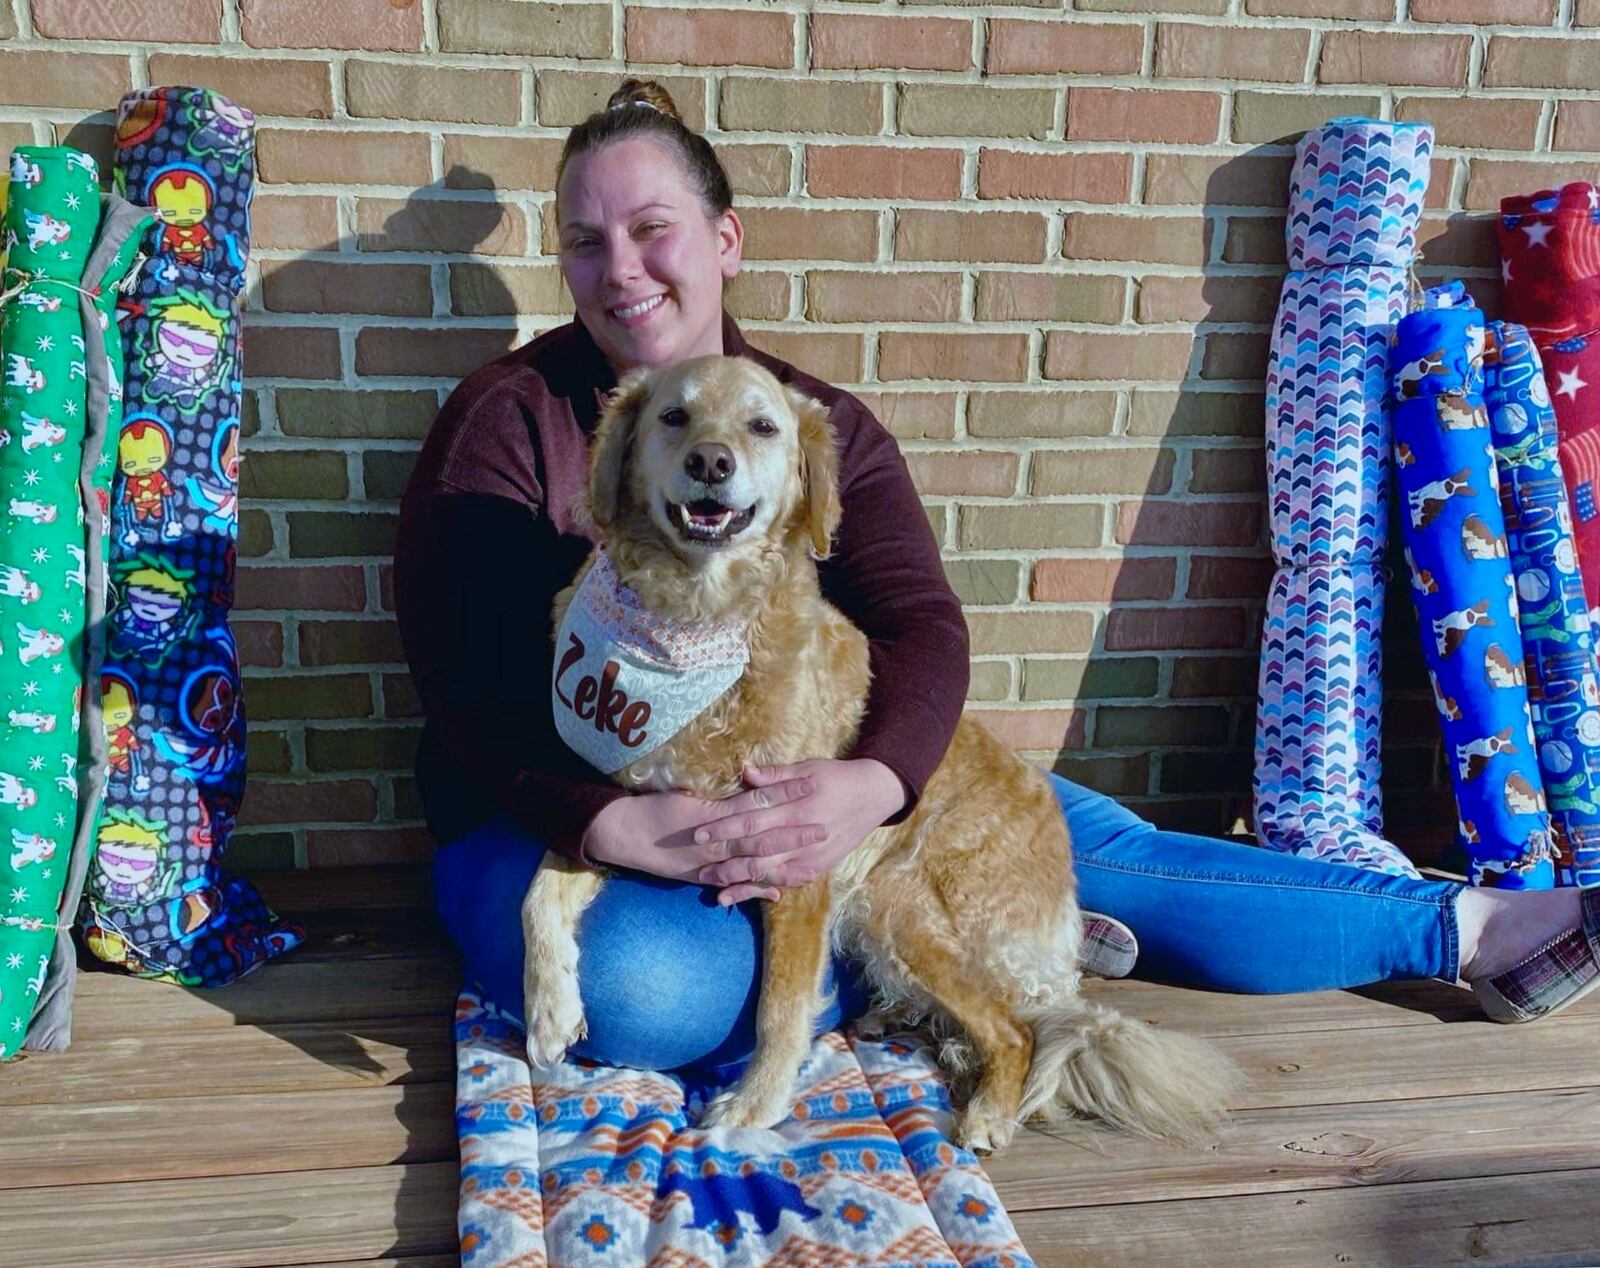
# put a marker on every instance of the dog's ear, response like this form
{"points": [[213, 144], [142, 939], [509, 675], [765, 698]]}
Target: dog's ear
{"points": [[612, 443], [819, 471]]}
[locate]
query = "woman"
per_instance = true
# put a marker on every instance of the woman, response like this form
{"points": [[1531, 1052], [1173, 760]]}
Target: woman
{"points": [[492, 526]]}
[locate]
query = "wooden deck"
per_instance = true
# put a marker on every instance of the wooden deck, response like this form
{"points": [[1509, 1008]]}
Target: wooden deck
{"points": [[304, 1116]]}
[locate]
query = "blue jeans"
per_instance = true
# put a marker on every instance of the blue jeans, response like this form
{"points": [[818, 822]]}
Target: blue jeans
{"points": [[669, 979]]}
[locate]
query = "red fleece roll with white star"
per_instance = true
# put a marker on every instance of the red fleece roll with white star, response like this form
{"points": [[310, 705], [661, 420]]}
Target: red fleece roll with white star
{"points": [[1550, 260]]}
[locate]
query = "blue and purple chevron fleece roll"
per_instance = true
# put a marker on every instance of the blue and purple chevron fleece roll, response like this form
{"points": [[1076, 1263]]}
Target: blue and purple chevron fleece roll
{"points": [[1355, 199]]}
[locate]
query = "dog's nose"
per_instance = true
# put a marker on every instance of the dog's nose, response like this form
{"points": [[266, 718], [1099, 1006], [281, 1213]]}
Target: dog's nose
{"points": [[710, 464]]}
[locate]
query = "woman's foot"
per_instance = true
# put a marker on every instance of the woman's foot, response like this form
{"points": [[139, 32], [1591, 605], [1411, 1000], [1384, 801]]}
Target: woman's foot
{"points": [[1522, 965], [1499, 928]]}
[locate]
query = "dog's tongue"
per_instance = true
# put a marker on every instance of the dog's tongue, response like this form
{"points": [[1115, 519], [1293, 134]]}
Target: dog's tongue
{"points": [[708, 512]]}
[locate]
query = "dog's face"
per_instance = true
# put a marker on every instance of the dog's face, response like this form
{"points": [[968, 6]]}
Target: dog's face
{"points": [[719, 457]]}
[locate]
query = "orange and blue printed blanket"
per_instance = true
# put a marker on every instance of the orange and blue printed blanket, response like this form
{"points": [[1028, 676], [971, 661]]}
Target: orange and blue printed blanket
{"points": [[583, 1164]]}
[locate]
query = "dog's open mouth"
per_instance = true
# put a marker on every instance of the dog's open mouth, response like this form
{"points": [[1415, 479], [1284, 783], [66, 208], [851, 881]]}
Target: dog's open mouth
{"points": [[708, 522]]}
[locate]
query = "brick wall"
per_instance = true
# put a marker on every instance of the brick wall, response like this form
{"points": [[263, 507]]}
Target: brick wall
{"points": [[1044, 244]]}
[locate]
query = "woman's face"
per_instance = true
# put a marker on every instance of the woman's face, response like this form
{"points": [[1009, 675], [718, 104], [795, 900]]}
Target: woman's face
{"points": [[643, 261]]}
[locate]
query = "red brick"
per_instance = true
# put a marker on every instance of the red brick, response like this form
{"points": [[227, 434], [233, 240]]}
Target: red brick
{"points": [[500, 162], [1002, 237], [858, 296], [1278, 54], [294, 224], [796, 233], [1165, 629], [317, 286], [969, 473], [1075, 354], [309, 801], [339, 588], [835, 357], [1213, 676], [1489, 180], [710, 37], [291, 352], [1229, 577], [1094, 235], [166, 21], [1227, 471], [847, 41], [1059, 47], [1234, 355], [440, 224], [1586, 13], [1138, 114], [1384, 57], [882, 171], [1093, 178], [1476, 123], [1348, 10], [1487, 12], [1102, 580], [367, 24], [1030, 295], [350, 643], [1247, 180], [1577, 126], [267, 85], [1150, 523], [1518, 61], [367, 847], [383, 90], [913, 415], [400, 698], [987, 358], [1036, 729], [517, 28], [260, 643], [92, 81], [449, 353], [285, 156], [1163, 297]]}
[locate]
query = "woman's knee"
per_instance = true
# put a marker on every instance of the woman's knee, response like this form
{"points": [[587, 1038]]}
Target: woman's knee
{"points": [[668, 978]]}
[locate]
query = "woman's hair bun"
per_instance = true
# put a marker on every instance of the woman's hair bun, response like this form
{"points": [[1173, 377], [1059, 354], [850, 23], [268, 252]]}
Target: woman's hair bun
{"points": [[644, 92]]}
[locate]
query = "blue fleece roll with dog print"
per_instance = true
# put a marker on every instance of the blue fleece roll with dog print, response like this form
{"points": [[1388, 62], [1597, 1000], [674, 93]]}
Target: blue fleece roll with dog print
{"points": [[1563, 686], [1462, 585]]}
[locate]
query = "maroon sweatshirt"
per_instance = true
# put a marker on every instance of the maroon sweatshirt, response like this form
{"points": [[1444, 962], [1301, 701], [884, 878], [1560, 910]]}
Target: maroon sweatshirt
{"points": [[494, 524]]}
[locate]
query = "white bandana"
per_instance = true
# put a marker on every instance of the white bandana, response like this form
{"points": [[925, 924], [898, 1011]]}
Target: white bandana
{"points": [[627, 679]]}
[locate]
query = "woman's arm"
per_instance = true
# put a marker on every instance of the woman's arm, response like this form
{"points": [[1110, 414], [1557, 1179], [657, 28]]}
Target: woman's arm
{"points": [[475, 576]]}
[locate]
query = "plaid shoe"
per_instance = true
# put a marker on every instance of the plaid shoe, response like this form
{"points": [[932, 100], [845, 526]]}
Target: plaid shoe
{"points": [[1559, 973], [1109, 947]]}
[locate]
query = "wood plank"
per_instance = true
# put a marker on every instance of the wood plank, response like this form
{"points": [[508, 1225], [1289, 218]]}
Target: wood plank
{"points": [[101, 1142], [233, 1221], [1402, 1062], [301, 1057], [1497, 1219], [1423, 1003], [109, 1005], [1307, 1147]]}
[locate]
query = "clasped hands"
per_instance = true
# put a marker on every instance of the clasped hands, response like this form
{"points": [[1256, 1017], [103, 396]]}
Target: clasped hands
{"points": [[793, 824]]}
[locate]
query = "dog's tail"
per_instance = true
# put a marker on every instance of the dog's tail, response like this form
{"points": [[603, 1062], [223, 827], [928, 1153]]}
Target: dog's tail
{"points": [[1093, 1061]]}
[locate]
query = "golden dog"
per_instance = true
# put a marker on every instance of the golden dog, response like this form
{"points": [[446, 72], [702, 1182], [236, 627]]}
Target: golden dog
{"points": [[965, 914]]}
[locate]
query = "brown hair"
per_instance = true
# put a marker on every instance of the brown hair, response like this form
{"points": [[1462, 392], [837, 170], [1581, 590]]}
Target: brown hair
{"points": [[642, 107]]}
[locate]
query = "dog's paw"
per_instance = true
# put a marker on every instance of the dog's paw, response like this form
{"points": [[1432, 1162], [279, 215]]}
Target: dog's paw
{"points": [[873, 1026], [555, 1020], [737, 1108], [984, 1131]]}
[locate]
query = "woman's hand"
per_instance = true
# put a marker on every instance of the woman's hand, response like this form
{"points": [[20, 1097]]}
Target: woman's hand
{"points": [[805, 837], [655, 832]]}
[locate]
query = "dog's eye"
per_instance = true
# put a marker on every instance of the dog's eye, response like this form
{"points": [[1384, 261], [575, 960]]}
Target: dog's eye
{"points": [[763, 426], [673, 417]]}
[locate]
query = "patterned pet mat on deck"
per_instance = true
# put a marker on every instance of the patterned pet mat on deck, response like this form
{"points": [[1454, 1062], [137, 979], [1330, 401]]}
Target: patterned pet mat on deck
{"points": [[592, 1165]]}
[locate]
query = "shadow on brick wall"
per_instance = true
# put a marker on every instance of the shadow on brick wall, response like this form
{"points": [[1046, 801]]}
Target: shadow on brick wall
{"points": [[317, 529]]}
